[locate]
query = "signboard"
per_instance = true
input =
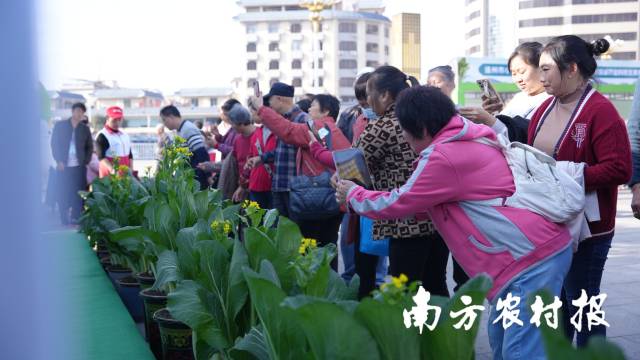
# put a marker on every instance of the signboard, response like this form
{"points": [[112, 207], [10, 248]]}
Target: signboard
{"points": [[608, 72]]}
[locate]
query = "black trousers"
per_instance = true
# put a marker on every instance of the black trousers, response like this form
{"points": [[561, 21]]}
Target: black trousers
{"points": [[421, 258], [324, 231], [365, 266], [281, 203], [459, 276], [71, 180]]}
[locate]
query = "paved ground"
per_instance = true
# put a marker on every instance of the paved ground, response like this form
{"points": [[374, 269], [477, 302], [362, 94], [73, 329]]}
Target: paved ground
{"points": [[621, 283]]}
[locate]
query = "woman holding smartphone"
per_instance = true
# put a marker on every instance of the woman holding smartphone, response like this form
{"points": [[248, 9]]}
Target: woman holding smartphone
{"points": [[513, 118], [580, 125]]}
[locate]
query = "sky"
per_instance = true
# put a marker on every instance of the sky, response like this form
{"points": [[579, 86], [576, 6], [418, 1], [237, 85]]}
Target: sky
{"points": [[171, 44]]}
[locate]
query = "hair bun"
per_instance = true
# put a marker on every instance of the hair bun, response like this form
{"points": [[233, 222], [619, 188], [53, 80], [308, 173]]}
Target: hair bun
{"points": [[599, 47]]}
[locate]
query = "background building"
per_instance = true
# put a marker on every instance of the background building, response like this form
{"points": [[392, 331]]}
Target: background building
{"points": [[279, 45], [60, 103], [589, 19], [405, 44], [490, 27], [140, 106], [492, 30]]}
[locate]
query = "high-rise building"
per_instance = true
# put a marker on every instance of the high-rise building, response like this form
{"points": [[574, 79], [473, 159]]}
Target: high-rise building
{"points": [[280, 45], [540, 20], [405, 43], [489, 28], [494, 27]]}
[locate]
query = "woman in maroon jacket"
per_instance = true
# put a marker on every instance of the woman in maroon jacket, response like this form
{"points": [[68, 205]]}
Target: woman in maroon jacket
{"points": [[579, 124]]}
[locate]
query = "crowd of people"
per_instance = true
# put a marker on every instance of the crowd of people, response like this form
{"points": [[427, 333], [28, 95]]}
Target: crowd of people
{"points": [[434, 184]]}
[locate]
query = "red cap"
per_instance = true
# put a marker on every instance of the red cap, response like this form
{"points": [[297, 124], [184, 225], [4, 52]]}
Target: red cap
{"points": [[115, 112]]}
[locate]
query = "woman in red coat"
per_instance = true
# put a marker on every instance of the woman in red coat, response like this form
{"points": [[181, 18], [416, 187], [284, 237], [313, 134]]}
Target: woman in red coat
{"points": [[580, 125]]}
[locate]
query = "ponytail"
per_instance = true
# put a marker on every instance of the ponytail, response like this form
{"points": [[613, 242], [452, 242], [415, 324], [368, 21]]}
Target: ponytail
{"points": [[413, 82]]}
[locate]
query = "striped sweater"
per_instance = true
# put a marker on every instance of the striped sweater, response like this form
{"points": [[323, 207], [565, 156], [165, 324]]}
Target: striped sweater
{"points": [[192, 135]]}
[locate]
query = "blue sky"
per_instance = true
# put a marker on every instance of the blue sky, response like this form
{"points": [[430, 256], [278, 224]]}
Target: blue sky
{"points": [[171, 44]]}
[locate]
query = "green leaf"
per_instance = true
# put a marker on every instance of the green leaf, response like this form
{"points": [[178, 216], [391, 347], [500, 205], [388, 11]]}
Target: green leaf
{"points": [[288, 237], [188, 260], [268, 272], [238, 291], [254, 343], [386, 325], [338, 290], [319, 281], [270, 218], [186, 303], [191, 304], [445, 341], [167, 269], [260, 247], [281, 332], [332, 332]]}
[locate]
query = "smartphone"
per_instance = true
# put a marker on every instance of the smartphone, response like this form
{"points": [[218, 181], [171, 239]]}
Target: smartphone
{"points": [[488, 89], [256, 88], [323, 133]]}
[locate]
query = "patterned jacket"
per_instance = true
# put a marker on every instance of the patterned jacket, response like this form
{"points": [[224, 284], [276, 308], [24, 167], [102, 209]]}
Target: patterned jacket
{"points": [[390, 160]]}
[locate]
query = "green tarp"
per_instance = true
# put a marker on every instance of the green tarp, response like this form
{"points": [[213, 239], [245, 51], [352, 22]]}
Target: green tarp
{"points": [[97, 323]]}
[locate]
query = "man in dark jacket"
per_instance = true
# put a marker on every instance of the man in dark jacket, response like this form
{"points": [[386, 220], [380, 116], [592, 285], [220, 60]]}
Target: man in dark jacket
{"points": [[72, 146]]}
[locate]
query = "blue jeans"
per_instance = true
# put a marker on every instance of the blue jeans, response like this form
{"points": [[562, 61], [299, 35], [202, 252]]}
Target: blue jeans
{"points": [[585, 273], [525, 342], [346, 251]]}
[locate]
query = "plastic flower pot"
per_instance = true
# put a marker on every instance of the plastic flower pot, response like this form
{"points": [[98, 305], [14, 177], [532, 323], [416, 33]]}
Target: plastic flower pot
{"points": [[129, 290], [101, 249], [117, 272], [105, 261], [154, 300], [175, 335], [146, 280]]}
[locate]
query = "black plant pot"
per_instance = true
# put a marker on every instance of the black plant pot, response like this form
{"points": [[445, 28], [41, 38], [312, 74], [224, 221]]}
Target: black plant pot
{"points": [[116, 272], [175, 335], [154, 300], [129, 290], [105, 261], [146, 280]]}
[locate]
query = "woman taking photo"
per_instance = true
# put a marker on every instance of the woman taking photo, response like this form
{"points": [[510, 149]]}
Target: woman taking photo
{"points": [[415, 248], [453, 178], [523, 65], [580, 125]]}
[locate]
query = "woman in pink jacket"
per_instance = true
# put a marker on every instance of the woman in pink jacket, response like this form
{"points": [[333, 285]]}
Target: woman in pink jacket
{"points": [[454, 177]]}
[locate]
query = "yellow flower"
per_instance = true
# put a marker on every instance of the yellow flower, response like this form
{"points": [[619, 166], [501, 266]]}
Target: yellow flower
{"points": [[302, 250], [180, 140], [183, 151], [227, 227], [251, 205], [123, 168], [214, 225], [310, 243], [399, 281]]}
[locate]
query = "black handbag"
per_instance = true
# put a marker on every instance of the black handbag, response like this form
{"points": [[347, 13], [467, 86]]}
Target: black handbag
{"points": [[313, 197]]}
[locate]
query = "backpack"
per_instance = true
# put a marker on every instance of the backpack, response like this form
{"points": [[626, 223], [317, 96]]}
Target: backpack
{"points": [[541, 187]]}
